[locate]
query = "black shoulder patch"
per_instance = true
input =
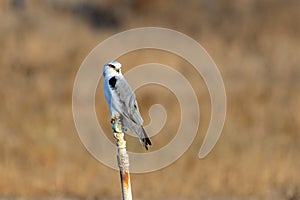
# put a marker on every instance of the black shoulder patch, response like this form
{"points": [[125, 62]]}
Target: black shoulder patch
{"points": [[112, 82]]}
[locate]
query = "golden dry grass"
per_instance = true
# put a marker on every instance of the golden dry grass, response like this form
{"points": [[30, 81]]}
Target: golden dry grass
{"points": [[256, 45]]}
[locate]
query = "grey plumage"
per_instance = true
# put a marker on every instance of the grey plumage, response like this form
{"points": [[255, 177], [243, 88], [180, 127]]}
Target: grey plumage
{"points": [[122, 101]]}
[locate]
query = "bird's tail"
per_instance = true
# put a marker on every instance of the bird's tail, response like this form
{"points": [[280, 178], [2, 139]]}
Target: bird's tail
{"points": [[145, 141]]}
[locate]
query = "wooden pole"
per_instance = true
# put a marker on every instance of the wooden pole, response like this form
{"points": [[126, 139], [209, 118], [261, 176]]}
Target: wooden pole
{"points": [[123, 159]]}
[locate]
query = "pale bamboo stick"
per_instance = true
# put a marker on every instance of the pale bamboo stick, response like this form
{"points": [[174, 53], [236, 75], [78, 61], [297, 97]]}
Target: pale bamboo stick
{"points": [[123, 160]]}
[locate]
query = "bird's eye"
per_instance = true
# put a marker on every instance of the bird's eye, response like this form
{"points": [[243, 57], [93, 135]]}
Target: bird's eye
{"points": [[112, 66]]}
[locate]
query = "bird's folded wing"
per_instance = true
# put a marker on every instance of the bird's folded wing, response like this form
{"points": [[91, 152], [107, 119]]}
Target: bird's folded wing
{"points": [[129, 104]]}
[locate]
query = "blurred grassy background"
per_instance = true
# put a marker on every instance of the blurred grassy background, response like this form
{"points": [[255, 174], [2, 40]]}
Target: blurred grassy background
{"points": [[256, 46]]}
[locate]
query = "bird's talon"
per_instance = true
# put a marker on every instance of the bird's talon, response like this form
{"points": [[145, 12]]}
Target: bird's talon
{"points": [[116, 125]]}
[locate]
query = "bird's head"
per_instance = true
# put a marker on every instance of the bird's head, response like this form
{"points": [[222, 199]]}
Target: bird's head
{"points": [[112, 68]]}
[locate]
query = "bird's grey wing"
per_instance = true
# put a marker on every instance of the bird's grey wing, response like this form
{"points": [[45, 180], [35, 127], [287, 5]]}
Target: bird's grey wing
{"points": [[130, 107]]}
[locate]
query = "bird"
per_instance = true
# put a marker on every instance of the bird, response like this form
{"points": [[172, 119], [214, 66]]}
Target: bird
{"points": [[122, 102]]}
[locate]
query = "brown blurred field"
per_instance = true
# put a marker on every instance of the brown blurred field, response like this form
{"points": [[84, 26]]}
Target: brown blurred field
{"points": [[256, 46]]}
